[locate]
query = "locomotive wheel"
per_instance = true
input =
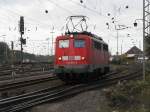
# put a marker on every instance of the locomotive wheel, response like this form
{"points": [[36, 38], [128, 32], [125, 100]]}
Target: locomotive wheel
{"points": [[106, 70], [83, 77], [61, 76], [79, 78], [96, 74]]}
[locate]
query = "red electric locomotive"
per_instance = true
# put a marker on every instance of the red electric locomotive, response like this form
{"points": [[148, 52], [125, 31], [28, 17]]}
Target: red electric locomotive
{"points": [[80, 55]]}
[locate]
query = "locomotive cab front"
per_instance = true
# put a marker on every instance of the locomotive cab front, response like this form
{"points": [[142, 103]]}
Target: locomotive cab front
{"points": [[71, 54]]}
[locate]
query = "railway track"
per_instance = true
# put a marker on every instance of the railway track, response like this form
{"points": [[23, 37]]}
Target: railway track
{"points": [[23, 102], [27, 66], [21, 70], [17, 76], [22, 83], [28, 69]]}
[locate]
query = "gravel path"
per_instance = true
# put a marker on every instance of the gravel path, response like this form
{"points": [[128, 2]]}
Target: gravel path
{"points": [[91, 101]]}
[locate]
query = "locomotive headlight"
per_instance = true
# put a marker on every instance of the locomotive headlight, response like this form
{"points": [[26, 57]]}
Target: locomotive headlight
{"points": [[82, 58], [71, 36], [59, 58]]}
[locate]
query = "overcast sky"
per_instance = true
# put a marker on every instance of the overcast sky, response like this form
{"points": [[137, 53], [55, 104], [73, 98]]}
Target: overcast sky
{"points": [[39, 24]]}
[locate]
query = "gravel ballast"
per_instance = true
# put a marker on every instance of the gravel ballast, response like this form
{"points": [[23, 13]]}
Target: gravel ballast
{"points": [[90, 101]]}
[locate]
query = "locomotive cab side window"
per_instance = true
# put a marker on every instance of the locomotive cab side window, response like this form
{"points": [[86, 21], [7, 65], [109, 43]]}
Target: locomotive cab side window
{"points": [[105, 47], [97, 45], [63, 43], [79, 43]]}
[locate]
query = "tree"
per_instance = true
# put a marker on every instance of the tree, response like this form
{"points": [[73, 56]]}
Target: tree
{"points": [[4, 53]]}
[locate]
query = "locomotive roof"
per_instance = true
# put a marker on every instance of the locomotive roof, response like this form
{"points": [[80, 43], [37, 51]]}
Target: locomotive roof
{"points": [[86, 33], [95, 37]]}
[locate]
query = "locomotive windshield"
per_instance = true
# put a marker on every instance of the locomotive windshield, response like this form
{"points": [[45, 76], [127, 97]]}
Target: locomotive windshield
{"points": [[79, 43], [63, 43]]}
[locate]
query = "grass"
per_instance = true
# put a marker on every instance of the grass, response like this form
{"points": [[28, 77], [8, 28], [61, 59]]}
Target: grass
{"points": [[132, 96]]}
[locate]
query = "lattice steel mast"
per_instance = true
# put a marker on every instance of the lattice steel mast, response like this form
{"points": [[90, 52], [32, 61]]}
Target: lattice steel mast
{"points": [[146, 29]]}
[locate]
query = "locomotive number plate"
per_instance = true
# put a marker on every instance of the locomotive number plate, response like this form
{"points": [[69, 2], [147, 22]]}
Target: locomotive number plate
{"points": [[66, 58]]}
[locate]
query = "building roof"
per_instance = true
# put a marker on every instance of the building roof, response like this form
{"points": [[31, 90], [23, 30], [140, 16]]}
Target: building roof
{"points": [[134, 50]]}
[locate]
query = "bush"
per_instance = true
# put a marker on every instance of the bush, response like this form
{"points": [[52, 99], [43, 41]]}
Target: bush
{"points": [[132, 96]]}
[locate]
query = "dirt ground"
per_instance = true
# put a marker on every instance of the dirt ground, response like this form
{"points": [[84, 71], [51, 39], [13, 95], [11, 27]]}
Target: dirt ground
{"points": [[91, 101]]}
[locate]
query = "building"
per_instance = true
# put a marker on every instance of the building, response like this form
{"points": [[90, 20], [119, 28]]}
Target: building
{"points": [[134, 55]]}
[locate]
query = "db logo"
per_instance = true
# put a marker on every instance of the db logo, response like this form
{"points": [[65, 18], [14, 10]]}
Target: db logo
{"points": [[71, 62]]}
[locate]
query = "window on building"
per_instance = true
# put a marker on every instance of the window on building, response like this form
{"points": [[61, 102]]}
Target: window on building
{"points": [[79, 43], [63, 43]]}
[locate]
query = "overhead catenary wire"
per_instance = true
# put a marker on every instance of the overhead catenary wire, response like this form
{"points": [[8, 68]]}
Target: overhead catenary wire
{"points": [[56, 4], [84, 6], [18, 13], [29, 20]]}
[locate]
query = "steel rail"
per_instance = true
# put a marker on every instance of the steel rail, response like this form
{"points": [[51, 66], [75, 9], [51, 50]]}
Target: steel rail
{"points": [[6, 103], [4, 77], [26, 83]]}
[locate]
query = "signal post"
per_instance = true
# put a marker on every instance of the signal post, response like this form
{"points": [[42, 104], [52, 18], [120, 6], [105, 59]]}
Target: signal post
{"points": [[22, 40]]}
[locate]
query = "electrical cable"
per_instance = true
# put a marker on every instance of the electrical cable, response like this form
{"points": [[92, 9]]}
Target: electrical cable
{"points": [[99, 13], [18, 13], [60, 6]]}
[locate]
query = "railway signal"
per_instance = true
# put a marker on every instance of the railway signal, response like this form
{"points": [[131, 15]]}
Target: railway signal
{"points": [[21, 25], [22, 40]]}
